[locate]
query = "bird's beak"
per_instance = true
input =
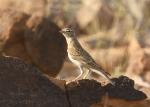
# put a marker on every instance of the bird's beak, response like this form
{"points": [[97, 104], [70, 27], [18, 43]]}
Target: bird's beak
{"points": [[61, 31]]}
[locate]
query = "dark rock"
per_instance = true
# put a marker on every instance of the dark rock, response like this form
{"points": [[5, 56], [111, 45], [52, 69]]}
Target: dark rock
{"points": [[46, 47], [123, 82], [84, 93], [124, 89], [22, 85]]}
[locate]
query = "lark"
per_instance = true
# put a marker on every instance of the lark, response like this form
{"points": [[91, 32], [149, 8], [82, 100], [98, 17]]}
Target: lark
{"points": [[81, 58]]}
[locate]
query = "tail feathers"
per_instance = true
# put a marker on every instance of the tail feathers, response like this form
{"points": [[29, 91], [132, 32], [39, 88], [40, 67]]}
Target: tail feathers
{"points": [[104, 74], [101, 72]]}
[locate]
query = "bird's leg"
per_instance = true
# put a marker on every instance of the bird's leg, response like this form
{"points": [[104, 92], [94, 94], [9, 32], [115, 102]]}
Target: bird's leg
{"points": [[86, 74], [90, 72], [81, 72]]}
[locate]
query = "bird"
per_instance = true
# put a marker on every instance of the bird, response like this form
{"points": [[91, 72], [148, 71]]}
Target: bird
{"points": [[81, 58]]}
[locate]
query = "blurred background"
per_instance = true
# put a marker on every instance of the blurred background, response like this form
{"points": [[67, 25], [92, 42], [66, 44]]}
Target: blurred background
{"points": [[115, 32]]}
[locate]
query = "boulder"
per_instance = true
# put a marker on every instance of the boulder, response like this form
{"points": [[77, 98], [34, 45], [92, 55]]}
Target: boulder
{"points": [[84, 93], [22, 85], [90, 93], [45, 45]]}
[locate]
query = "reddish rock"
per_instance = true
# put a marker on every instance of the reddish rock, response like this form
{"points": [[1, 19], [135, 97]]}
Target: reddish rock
{"points": [[139, 57], [112, 102], [27, 6], [12, 33], [38, 42], [147, 76]]}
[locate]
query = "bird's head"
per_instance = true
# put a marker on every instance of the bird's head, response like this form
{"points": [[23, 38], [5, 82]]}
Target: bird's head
{"points": [[68, 32]]}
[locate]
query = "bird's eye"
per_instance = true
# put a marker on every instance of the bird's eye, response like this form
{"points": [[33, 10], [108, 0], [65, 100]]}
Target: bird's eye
{"points": [[68, 30]]}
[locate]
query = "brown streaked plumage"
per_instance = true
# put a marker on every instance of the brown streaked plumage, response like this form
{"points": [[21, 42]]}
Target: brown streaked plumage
{"points": [[80, 57]]}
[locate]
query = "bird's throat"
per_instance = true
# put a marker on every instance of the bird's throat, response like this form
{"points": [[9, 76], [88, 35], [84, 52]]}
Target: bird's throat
{"points": [[70, 41]]}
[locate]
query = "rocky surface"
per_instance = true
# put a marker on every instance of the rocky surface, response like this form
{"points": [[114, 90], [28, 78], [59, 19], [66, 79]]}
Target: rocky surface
{"points": [[124, 89], [84, 93], [23, 85]]}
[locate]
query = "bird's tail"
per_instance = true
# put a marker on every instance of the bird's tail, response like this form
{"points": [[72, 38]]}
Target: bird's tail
{"points": [[104, 74]]}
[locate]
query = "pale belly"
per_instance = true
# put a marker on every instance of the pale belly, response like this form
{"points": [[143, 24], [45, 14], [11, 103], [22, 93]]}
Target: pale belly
{"points": [[73, 61]]}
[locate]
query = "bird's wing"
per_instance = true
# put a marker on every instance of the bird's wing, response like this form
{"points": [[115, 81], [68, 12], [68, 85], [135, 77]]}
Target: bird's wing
{"points": [[87, 59]]}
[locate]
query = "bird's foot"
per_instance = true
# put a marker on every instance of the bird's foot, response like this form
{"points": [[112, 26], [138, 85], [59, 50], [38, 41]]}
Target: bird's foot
{"points": [[112, 82], [67, 82]]}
